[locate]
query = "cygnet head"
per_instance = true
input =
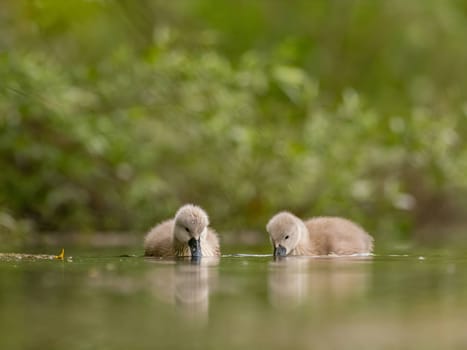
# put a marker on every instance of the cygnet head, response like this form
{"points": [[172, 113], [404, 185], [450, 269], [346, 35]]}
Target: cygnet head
{"points": [[285, 231], [190, 226]]}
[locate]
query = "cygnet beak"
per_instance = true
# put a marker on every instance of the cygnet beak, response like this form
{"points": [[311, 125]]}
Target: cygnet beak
{"points": [[195, 247], [280, 251]]}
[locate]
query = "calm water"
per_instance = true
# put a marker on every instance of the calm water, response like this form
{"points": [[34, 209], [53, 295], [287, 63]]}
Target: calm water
{"points": [[99, 301]]}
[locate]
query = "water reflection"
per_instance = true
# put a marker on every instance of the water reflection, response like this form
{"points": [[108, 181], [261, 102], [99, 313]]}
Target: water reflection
{"points": [[293, 281], [185, 284], [384, 302]]}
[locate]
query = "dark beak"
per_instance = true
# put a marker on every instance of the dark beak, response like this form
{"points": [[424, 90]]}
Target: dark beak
{"points": [[280, 251], [195, 247]]}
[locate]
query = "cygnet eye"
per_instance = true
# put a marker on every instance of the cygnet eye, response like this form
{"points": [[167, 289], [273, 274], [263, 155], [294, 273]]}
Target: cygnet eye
{"points": [[287, 237], [187, 230]]}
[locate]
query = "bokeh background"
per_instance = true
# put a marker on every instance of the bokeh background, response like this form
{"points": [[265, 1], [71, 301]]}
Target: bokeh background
{"points": [[115, 112]]}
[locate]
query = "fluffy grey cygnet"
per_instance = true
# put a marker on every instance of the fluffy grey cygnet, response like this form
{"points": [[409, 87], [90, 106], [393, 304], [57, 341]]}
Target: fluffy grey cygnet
{"points": [[317, 236], [187, 234]]}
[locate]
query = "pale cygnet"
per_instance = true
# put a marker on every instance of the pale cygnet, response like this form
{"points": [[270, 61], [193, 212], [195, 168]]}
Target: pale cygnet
{"points": [[187, 234], [317, 236]]}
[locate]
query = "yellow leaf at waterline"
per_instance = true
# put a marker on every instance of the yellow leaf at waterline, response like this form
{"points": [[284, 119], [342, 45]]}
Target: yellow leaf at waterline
{"points": [[60, 256]]}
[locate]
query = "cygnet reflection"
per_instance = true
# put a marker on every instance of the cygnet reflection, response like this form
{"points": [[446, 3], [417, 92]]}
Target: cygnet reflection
{"points": [[293, 281], [186, 284]]}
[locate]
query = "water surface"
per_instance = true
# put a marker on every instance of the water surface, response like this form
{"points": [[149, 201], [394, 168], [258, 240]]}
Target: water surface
{"points": [[99, 300]]}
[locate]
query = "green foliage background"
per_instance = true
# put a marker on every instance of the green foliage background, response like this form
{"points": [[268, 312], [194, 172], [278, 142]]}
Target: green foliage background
{"points": [[114, 113]]}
